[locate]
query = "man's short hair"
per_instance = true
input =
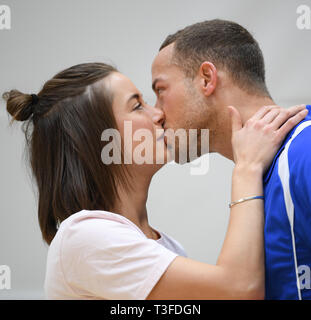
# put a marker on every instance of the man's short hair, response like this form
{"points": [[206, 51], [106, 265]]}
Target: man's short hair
{"points": [[227, 45]]}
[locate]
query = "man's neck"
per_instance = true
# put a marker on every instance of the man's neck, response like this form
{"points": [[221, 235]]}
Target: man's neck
{"points": [[249, 105], [246, 104]]}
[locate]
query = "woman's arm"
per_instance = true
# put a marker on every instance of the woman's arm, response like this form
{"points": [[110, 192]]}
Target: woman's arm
{"points": [[239, 272], [243, 250]]}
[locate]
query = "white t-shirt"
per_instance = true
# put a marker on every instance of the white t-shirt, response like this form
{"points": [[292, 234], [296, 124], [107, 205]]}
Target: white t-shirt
{"points": [[103, 255]]}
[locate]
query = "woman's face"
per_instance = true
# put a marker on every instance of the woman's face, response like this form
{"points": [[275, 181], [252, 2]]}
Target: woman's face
{"points": [[139, 124]]}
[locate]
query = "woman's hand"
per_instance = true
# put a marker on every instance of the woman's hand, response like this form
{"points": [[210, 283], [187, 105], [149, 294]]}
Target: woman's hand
{"points": [[256, 143]]}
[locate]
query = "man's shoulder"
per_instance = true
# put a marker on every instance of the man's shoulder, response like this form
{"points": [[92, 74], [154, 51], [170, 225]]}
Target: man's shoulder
{"points": [[300, 146], [299, 149]]}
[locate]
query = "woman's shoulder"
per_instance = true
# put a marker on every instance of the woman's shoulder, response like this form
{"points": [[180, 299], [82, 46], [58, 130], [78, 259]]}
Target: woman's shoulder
{"points": [[91, 229], [85, 219], [94, 227]]}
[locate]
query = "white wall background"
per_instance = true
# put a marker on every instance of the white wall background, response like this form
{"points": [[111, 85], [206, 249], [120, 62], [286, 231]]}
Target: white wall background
{"points": [[47, 36]]}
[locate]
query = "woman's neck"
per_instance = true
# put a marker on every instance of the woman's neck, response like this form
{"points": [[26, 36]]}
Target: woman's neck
{"points": [[132, 204]]}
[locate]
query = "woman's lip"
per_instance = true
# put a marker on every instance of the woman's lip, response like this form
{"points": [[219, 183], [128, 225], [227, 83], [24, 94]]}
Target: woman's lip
{"points": [[162, 136]]}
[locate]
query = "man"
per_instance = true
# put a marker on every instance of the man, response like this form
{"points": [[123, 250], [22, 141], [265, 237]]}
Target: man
{"points": [[198, 72]]}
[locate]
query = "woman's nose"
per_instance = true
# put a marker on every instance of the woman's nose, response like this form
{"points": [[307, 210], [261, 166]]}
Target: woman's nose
{"points": [[157, 116]]}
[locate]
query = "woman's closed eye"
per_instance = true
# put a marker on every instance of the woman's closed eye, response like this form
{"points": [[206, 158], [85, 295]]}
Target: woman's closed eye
{"points": [[138, 106]]}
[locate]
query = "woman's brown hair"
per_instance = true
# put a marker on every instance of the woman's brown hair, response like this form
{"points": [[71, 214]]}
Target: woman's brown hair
{"points": [[64, 124]]}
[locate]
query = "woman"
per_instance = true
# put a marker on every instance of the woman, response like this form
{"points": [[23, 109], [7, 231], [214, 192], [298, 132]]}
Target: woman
{"points": [[93, 215]]}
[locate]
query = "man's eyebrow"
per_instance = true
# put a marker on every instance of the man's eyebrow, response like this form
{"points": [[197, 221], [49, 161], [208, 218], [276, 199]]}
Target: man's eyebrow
{"points": [[134, 96]]}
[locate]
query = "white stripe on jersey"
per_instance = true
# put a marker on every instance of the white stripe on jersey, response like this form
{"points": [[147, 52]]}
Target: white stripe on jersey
{"points": [[284, 175]]}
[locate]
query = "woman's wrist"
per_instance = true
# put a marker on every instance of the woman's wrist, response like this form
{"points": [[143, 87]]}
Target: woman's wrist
{"points": [[246, 181], [246, 169]]}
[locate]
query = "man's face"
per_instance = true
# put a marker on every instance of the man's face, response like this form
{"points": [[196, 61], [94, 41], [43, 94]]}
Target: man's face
{"points": [[177, 96]]}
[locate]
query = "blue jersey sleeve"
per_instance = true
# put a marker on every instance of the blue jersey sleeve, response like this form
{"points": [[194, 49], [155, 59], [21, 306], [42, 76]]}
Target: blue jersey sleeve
{"points": [[299, 159]]}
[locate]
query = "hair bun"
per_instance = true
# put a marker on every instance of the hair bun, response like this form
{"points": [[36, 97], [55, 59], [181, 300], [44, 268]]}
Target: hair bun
{"points": [[20, 105]]}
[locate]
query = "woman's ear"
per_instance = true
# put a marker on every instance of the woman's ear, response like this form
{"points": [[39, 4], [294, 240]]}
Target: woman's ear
{"points": [[208, 78]]}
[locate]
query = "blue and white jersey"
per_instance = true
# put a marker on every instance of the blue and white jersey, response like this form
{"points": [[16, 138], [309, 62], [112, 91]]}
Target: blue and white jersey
{"points": [[287, 188]]}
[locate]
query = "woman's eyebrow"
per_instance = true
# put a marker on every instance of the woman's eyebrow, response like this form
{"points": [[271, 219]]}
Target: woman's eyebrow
{"points": [[133, 96]]}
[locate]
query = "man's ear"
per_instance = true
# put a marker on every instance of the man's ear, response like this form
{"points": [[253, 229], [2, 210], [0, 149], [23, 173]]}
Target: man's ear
{"points": [[208, 78]]}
